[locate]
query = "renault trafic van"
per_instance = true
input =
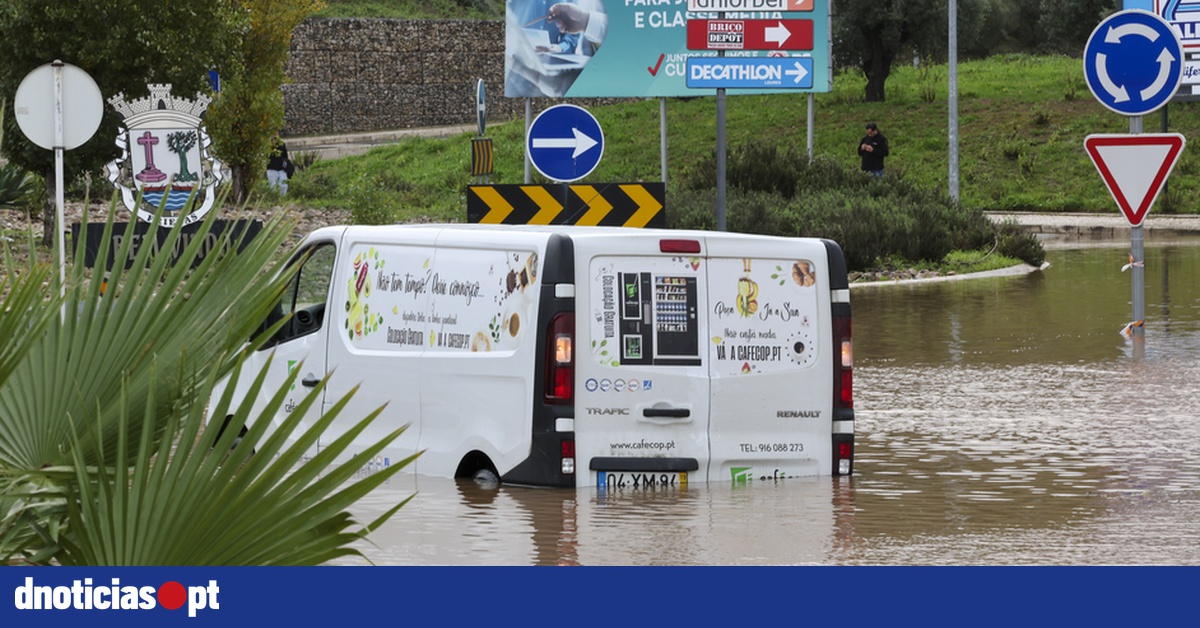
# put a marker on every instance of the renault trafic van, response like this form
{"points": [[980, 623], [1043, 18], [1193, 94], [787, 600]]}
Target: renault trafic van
{"points": [[578, 356]]}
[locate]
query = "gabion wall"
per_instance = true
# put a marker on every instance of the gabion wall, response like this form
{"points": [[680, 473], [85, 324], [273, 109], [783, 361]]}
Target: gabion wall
{"points": [[361, 75]]}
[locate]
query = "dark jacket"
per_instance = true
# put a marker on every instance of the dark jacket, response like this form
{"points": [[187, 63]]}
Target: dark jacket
{"points": [[873, 160], [279, 158]]}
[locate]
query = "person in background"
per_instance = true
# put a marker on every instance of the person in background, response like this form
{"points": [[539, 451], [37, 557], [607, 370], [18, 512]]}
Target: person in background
{"points": [[279, 167], [873, 148]]}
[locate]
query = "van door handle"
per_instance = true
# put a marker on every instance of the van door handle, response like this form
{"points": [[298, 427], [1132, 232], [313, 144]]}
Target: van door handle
{"points": [[673, 413], [310, 381]]}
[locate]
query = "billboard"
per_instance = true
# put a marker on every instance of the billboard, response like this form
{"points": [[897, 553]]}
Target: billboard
{"points": [[629, 48], [1184, 18]]}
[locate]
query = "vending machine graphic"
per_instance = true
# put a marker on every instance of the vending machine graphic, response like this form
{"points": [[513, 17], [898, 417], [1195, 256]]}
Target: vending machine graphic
{"points": [[659, 320]]}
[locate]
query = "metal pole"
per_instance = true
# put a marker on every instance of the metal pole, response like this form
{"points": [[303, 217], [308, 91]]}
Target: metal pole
{"points": [[953, 62], [528, 121], [59, 240], [1138, 251], [662, 136], [811, 118], [721, 159], [721, 147]]}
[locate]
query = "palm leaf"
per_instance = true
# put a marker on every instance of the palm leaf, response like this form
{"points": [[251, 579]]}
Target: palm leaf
{"points": [[156, 310], [104, 454], [191, 500]]}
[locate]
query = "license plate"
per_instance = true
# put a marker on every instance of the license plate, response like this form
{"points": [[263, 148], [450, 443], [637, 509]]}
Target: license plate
{"points": [[641, 480]]}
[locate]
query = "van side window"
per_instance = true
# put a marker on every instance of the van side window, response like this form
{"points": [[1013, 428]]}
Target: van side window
{"points": [[306, 295]]}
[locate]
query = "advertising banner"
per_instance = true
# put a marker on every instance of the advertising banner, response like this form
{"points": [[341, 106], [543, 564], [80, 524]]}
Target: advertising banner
{"points": [[632, 48], [1184, 18]]}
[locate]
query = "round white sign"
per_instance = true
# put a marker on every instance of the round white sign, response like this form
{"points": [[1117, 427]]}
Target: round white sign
{"points": [[82, 106]]}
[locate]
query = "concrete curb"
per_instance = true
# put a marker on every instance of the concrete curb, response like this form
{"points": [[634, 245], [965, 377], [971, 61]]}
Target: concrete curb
{"points": [[1011, 271], [337, 146]]}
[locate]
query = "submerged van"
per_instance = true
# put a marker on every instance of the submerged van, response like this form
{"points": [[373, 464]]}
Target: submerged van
{"points": [[578, 356]]}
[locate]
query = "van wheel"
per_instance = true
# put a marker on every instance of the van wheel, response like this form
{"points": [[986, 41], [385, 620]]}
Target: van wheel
{"points": [[237, 441], [486, 478]]}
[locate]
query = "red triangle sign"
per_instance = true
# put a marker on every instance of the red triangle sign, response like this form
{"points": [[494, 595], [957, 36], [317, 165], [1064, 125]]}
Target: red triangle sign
{"points": [[1134, 167]]}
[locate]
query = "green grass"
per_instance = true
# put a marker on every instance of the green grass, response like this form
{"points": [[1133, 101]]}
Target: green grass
{"points": [[1022, 121]]}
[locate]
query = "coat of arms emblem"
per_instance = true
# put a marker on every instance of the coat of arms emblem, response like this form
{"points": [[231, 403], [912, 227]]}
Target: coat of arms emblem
{"points": [[165, 157]]}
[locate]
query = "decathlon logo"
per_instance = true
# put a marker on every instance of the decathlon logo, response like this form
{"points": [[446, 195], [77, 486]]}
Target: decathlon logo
{"points": [[85, 596]]}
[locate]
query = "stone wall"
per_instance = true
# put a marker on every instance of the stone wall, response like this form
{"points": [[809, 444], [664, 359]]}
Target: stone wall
{"points": [[360, 75]]}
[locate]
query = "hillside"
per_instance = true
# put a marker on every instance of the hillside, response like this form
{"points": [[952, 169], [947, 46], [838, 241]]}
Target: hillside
{"points": [[1022, 122]]}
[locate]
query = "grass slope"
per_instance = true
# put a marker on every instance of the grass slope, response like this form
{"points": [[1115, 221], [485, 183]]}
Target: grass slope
{"points": [[1022, 122]]}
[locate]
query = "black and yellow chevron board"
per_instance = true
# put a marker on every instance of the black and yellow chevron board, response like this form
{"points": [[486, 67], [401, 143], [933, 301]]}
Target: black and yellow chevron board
{"points": [[481, 156], [603, 204]]}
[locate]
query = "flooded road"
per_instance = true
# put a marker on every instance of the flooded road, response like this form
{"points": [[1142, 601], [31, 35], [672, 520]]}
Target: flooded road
{"points": [[1001, 421]]}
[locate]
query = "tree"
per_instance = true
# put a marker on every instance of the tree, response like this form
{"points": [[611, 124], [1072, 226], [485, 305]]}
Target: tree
{"points": [[871, 34], [1068, 23], [123, 45], [248, 112]]}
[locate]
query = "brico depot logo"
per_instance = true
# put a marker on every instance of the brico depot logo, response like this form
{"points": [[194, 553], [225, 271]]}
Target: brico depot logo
{"points": [[84, 595]]}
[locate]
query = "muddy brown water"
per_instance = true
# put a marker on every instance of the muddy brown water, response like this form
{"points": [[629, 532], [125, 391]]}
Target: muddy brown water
{"points": [[1001, 421]]}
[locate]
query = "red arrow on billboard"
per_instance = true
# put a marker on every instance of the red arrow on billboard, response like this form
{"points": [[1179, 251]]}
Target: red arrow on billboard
{"points": [[1134, 167], [750, 34]]}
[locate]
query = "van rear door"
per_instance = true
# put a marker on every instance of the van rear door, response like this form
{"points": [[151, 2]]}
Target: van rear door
{"points": [[772, 358], [642, 380]]}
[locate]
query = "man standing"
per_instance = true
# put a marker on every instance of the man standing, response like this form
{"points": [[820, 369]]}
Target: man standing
{"points": [[873, 148], [279, 166]]}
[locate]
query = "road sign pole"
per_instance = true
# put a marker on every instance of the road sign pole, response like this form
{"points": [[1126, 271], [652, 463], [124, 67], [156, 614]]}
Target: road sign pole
{"points": [[721, 189], [721, 159], [1137, 250], [528, 162], [59, 239], [1134, 64], [812, 116]]}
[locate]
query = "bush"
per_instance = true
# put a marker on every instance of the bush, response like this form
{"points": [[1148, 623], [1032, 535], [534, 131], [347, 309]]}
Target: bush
{"points": [[778, 192], [368, 201], [1013, 241], [18, 187]]}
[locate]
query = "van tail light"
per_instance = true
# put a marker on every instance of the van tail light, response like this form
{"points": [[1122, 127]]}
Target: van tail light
{"points": [[843, 368], [560, 360], [845, 457], [568, 456], [843, 395]]}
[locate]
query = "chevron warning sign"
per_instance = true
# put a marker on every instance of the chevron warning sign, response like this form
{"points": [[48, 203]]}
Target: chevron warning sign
{"points": [[605, 204]]}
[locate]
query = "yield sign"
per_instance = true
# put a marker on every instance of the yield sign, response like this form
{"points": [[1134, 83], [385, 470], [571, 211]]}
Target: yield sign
{"points": [[1134, 167]]}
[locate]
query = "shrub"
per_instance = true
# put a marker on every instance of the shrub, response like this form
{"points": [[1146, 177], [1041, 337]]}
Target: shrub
{"points": [[18, 187], [1014, 241], [872, 219], [369, 203]]}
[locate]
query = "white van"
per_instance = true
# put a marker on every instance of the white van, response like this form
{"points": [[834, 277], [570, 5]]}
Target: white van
{"points": [[579, 356]]}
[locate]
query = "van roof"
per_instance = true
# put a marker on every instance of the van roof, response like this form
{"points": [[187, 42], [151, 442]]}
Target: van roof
{"points": [[571, 231]]}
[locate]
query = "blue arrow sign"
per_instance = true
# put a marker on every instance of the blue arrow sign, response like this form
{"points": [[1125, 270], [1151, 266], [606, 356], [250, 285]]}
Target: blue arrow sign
{"points": [[1133, 62], [750, 72], [565, 143]]}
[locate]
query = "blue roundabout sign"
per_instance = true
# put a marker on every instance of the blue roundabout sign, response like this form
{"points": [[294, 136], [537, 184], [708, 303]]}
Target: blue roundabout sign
{"points": [[565, 143], [1133, 62]]}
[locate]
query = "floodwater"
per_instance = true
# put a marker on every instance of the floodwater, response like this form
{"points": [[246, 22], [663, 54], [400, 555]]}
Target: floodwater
{"points": [[1000, 421]]}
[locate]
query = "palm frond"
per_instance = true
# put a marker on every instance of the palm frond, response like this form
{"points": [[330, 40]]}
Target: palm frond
{"points": [[193, 500], [157, 309]]}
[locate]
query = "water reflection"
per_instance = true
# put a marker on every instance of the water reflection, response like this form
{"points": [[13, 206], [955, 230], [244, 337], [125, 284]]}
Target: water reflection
{"points": [[1000, 421]]}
